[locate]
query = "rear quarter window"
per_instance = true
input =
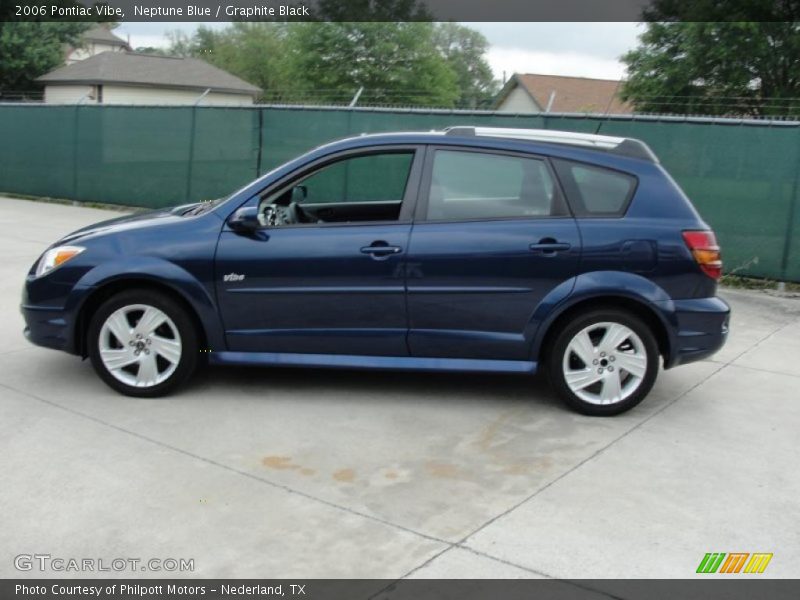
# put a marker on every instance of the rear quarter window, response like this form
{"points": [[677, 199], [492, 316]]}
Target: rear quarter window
{"points": [[595, 191]]}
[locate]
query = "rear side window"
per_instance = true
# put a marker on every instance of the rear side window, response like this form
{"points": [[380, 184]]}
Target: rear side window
{"points": [[478, 185], [595, 191]]}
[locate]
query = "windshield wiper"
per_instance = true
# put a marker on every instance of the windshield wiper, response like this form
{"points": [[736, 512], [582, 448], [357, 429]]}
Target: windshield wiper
{"points": [[201, 208]]}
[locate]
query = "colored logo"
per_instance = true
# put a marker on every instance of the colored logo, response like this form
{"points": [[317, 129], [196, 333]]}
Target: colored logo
{"points": [[734, 562]]}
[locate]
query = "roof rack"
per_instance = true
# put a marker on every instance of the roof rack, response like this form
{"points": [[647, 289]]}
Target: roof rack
{"points": [[615, 145]]}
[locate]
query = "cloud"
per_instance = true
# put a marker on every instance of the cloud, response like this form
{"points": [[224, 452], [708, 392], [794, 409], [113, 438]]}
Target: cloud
{"points": [[577, 49], [603, 40], [575, 64]]}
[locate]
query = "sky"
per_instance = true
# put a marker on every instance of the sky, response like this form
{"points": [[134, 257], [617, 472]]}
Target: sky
{"points": [[576, 49]]}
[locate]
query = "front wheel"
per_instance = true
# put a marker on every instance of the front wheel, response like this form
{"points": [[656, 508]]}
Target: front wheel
{"points": [[142, 343], [604, 362]]}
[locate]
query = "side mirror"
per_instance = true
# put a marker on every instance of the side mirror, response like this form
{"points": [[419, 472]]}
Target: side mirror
{"points": [[245, 219]]}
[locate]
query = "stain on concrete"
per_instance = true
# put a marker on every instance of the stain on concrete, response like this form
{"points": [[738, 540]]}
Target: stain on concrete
{"points": [[279, 463], [442, 470], [488, 436], [345, 475]]}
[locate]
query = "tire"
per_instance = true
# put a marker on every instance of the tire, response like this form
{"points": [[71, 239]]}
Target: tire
{"points": [[621, 369], [162, 357]]}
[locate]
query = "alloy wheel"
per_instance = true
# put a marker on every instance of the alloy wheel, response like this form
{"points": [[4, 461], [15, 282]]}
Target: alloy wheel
{"points": [[140, 345], [605, 363]]}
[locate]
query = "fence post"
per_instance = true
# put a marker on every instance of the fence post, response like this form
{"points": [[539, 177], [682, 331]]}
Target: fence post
{"points": [[75, 157], [787, 242], [190, 165], [260, 140]]}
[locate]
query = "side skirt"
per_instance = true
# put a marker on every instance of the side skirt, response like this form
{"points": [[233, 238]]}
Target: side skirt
{"points": [[348, 361]]}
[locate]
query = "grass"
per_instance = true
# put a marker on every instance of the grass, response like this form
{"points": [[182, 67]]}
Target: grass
{"points": [[740, 282], [732, 279]]}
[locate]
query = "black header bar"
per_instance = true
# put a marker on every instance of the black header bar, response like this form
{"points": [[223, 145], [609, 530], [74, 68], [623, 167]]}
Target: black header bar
{"points": [[398, 10]]}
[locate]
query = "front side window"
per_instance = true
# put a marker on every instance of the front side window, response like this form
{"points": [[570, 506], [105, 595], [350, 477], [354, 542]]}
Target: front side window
{"points": [[373, 178], [477, 185], [368, 187]]}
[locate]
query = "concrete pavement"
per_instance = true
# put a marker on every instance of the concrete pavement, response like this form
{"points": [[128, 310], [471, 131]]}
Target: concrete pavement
{"points": [[312, 473]]}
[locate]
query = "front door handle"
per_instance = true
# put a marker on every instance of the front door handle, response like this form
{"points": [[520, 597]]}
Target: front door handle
{"points": [[549, 247], [381, 250]]}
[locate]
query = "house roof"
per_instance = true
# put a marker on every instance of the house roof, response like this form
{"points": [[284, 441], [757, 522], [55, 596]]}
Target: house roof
{"points": [[103, 34], [129, 68], [570, 94]]}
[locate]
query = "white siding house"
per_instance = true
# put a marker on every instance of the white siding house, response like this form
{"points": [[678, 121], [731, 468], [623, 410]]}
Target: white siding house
{"points": [[131, 78], [121, 94], [518, 100], [532, 93]]}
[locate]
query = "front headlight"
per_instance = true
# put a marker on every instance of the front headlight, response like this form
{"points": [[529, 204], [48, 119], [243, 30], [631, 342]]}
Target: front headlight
{"points": [[55, 257]]}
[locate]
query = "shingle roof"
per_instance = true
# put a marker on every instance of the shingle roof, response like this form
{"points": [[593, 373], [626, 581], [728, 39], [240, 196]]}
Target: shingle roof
{"points": [[103, 34], [148, 70], [572, 94]]}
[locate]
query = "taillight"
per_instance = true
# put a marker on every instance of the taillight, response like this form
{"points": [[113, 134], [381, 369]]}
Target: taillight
{"points": [[704, 248]]}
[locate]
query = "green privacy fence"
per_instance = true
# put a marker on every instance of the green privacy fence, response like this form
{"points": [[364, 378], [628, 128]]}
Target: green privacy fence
{"points": [[741, 175]]}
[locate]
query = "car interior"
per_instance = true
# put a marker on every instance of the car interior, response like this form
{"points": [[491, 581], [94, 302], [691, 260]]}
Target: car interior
{"points": [[464, 186], [357, 189]]}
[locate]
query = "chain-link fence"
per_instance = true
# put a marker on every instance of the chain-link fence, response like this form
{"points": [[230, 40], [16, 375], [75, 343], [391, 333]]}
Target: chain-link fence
{"points": [[741, 175]]}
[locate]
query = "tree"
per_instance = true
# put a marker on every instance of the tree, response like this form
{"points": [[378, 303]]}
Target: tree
{"points": [[158, 51], [465, 49], [31, 49], [404, 61], [182, 44], [710, 66], [395, 63], [202, 42], [393, 56], [255, 51]]}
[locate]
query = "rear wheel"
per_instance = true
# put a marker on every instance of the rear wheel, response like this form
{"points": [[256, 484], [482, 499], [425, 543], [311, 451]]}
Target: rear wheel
{"points": [[142, 343], [604, 362]]}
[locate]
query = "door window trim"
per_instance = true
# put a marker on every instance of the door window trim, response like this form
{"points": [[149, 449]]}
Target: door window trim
{"points": [[420, 215], [407, 204]]}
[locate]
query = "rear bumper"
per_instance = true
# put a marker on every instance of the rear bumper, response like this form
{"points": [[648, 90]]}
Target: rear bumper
{"points": [[700, 329]]}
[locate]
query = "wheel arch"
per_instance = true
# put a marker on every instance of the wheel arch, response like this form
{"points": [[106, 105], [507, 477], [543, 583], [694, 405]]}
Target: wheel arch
{"points": [[107, 289], [632, 293]]}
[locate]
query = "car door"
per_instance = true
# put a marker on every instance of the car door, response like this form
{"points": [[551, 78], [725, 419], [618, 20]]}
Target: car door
{"points": [[492, 238], [334, 285]]}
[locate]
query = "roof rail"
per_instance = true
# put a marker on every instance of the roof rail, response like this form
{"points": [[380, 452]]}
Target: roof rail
{"points": [[615, 145]]}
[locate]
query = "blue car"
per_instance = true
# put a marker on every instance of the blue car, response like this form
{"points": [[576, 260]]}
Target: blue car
{"points": [[468, 249]]}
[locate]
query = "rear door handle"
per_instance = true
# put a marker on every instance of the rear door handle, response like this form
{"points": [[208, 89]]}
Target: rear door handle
{"points": [[550, 248], [377, 249]]}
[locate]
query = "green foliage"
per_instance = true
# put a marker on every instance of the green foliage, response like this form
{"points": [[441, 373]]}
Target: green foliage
{"points": [[150, 50], [717, 68], [408, 63], [256, 52], [464, 50], [31, 49], [395, 63]]}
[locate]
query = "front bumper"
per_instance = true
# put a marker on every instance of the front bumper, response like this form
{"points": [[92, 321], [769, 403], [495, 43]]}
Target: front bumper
{"points": [[48, 324], [700, 329], [48, 327]]}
